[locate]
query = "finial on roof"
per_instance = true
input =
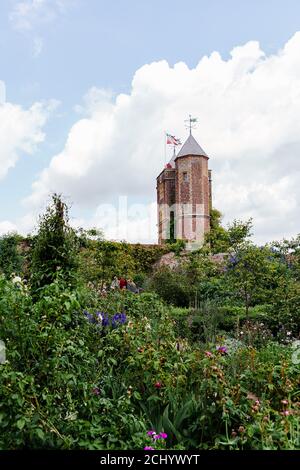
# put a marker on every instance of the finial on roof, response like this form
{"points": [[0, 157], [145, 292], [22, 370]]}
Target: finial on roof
{"points": [[191, 123]]}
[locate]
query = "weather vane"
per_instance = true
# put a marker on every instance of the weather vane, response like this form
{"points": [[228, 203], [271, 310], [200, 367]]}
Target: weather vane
{"points": [[191, 123]]}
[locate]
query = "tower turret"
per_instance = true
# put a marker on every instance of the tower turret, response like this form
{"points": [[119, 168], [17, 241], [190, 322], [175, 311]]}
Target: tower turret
{"points": [[184, 195], [192, 218]]}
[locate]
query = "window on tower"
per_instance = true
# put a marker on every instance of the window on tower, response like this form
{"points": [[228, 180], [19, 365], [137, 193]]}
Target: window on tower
{"points": [[185, 177]]}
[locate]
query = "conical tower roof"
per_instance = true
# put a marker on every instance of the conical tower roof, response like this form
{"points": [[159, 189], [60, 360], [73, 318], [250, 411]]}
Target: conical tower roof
{"points": [[191, 147]]}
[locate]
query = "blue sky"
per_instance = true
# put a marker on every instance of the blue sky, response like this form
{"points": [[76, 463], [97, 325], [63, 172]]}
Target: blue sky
{"points": [[66, 47]]}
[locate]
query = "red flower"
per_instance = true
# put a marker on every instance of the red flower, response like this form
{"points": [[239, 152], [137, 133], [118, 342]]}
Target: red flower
{"points": [[157, 385]]}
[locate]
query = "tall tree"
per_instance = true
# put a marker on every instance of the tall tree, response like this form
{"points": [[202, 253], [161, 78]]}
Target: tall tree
{"points": [[56, 246]]}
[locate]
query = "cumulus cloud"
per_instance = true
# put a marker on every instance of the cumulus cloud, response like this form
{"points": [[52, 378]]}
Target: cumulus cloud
{"points": [[21, 131], [248, 108]]}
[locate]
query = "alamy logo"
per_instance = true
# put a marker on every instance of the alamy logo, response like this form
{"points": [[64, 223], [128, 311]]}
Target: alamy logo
{"points": [[2, 352]]}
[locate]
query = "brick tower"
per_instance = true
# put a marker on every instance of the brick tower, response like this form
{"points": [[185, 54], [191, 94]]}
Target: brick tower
{"points": [[184, 196]]}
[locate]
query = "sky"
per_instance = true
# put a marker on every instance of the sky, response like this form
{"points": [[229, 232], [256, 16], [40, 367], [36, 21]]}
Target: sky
{"points": [[88, 88]]}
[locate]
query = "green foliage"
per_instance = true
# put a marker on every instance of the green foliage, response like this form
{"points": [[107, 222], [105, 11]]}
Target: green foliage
{"points": [[67, 386], [206, 354], [10, 258], [175, 246], [101, 260], [250, 273], [55, 247], [217, 238], [172, 286], [54, 363], [221, 240]]}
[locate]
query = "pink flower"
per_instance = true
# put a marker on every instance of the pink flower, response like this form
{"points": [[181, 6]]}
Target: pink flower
{"points": [[157, 385], [148, 448], [285, 413], [151, 433], [208, 354], [284, 402], [96, 391], [163, 435]]}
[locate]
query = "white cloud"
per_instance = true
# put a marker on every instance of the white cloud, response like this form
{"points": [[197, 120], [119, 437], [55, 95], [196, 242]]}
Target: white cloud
{"points": [[7, 227], [123, 221], [21, 130], [26, 15], [31, 17], [248, 109]]}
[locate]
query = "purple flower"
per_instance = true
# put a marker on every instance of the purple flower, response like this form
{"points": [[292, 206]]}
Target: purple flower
{"points": [[96, 391], [118, 319], [233, 260], [105, 320], [100, 316], [90, 318], [148, 448], [222, 349], [163, 435], [151, 433]]}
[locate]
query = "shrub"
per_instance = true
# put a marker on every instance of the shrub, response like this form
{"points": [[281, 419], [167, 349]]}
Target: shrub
{"points": [[171, 286]]}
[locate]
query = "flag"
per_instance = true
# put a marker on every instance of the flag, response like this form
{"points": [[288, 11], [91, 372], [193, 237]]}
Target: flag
{"points": [[172, 140]]}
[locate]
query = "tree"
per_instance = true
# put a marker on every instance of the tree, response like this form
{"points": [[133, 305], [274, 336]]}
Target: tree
{"points": [[286, 294], [55, 247], [221, 240], [217, 238], [172, 286], [250, 274]]}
